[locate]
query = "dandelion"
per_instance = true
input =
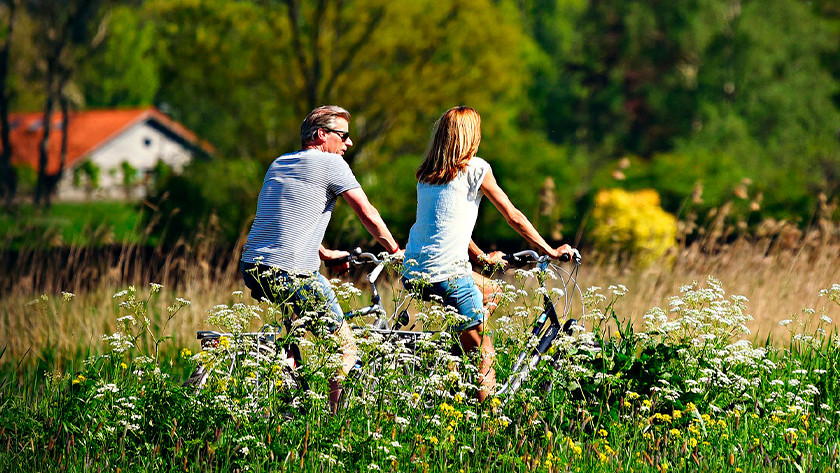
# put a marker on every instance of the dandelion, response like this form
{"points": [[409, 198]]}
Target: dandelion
{"points": [[79, 379]]}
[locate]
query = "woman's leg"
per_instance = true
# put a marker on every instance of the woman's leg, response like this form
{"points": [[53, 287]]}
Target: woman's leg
{"points": [[471, 339], [490, 291]]}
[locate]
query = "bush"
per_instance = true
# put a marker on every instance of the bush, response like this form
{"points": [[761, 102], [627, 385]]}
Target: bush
{"points": [[226, 189], [632, 225]]}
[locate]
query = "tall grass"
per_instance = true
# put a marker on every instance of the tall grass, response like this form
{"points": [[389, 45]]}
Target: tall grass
{"points": [[780, 271]]}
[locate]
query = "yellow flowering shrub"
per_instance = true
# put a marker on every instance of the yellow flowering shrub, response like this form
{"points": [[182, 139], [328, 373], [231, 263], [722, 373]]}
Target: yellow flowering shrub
{"points": [[633, 224]]}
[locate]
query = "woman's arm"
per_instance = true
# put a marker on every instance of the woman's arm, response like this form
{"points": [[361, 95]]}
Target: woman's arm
{"points": [[517, 219], [478, 256]]}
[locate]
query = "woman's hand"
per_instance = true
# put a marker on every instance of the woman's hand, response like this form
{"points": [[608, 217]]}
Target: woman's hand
{"points": [[557, 253], [493, 258]]}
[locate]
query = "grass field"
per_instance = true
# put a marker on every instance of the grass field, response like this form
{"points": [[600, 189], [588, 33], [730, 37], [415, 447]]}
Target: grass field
{"points": [[72, 224], [683, 389]]}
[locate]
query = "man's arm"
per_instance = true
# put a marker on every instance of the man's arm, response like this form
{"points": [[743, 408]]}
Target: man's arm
{"points": [[370, 218]]}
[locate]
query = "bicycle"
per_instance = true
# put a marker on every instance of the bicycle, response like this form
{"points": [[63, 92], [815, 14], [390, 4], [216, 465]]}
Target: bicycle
{"points": [[549, 324], [267, 344], [249, 351]]}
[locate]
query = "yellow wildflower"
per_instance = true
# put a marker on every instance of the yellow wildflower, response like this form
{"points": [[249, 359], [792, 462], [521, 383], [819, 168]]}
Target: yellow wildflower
{"points": [[185, 353], [79, 379]]}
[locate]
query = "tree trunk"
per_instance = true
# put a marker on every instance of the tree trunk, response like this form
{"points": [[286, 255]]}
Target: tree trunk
{"points": [[42, 186], [8, 174]]}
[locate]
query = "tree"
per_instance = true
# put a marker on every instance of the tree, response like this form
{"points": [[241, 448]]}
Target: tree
{"points": [[623, 77], [766, 99], [8, 174], [62, 27], [123, 70], [259, 67]]}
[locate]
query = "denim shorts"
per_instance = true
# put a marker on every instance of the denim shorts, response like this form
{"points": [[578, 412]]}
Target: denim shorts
{"points": [[311, 292], [461, 293]]}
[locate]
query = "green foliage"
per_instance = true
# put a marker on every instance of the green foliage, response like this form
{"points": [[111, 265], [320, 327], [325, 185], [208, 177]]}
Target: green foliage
{"points": [[89, 171], [225, 190], [704, 93], [123, 71]]}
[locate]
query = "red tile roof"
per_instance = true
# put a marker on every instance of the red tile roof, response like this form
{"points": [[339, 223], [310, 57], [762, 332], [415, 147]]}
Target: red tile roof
{"points": [[88, 131]]}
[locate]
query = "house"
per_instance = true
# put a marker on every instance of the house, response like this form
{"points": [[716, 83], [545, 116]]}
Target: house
{"points": [[107, 144]]}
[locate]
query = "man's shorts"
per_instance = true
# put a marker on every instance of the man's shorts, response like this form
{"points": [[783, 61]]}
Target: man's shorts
{"points": [[306, 293], [461, 293]]}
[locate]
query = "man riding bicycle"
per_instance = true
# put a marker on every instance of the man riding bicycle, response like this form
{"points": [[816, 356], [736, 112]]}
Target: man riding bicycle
{"points": [[282, 256]]}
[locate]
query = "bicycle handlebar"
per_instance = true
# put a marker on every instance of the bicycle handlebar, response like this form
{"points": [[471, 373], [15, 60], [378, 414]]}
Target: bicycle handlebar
{"points": [[521, 258], [356, 258], [525, 257]]}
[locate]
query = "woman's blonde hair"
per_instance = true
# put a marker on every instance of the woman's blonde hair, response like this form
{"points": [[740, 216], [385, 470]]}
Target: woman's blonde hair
{"points": [[456, 139]]}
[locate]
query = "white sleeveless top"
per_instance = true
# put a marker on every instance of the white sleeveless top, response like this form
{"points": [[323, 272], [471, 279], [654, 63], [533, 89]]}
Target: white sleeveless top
{"points": [[438, 244]]}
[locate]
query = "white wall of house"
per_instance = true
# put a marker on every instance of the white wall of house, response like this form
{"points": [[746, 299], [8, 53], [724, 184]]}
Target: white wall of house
{"points": [[142, 146]]}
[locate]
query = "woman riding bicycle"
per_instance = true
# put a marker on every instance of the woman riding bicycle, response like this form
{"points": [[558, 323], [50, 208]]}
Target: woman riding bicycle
{"points": [[451, 181]]}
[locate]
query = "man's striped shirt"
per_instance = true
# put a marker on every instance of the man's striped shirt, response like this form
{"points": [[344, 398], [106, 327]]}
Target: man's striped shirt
{"points": [[294, 208]]}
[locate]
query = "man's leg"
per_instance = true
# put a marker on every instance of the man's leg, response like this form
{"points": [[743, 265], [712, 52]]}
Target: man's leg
{"points": [[349, 355], [347, 344]]}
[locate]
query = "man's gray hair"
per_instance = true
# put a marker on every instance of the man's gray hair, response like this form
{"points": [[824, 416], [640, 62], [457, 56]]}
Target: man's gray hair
{"points": [[321, 117]]}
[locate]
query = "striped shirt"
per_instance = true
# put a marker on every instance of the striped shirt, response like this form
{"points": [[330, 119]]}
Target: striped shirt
{"points": [[294, 208]]}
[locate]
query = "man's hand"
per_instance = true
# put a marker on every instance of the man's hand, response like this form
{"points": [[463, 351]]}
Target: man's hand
{"points": [[330, 255]]}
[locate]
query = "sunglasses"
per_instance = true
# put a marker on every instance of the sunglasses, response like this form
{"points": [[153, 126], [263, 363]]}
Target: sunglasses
{"points": [[343, 135]]}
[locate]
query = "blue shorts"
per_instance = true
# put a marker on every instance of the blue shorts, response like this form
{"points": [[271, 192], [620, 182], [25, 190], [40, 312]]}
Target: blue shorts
{"points": [[461, 293], [304, 292]]}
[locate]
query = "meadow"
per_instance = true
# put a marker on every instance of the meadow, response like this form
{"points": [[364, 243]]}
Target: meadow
{"points": [[736, 372]]}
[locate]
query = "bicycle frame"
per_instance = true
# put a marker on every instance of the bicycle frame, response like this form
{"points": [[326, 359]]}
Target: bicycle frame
{"points": [[521, 369]]}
